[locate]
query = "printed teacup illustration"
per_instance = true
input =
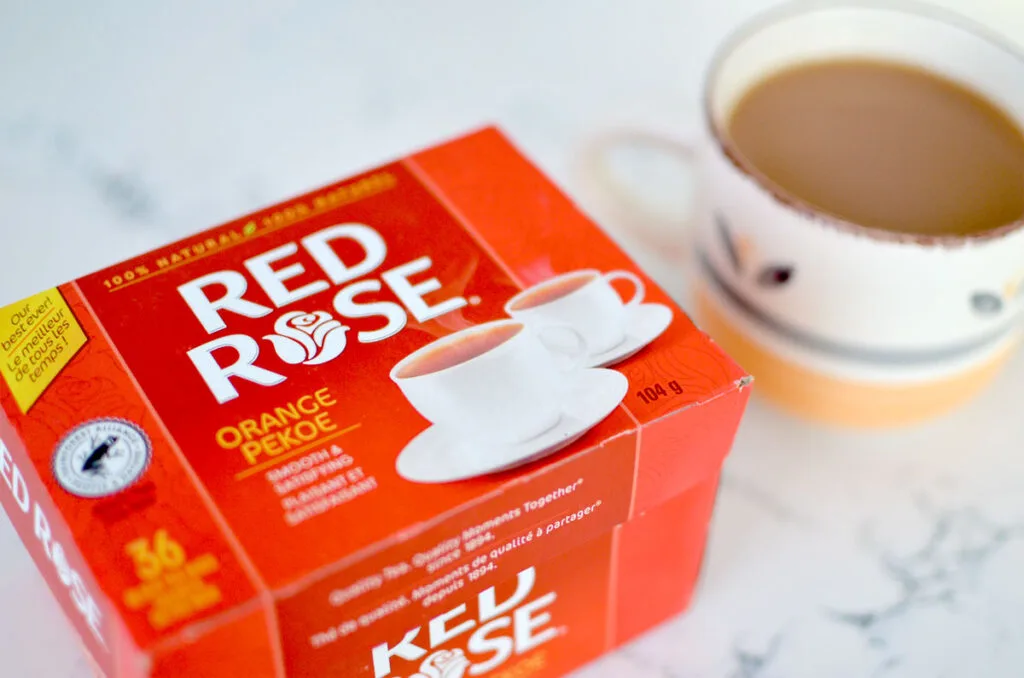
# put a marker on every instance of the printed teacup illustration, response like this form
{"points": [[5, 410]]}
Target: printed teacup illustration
{"points": [[585, 301], [497, 396]]}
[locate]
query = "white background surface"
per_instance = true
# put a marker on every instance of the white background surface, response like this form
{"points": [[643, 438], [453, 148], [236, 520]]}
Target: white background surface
{"points": [[124, 125]]}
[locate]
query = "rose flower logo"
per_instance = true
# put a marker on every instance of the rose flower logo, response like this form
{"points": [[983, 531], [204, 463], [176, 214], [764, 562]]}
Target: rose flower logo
{"points": [[444, 664], [308, 338]]}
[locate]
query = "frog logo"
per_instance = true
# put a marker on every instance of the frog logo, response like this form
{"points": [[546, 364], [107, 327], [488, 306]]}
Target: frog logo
{"points": [[302, 338], [101, 458]]}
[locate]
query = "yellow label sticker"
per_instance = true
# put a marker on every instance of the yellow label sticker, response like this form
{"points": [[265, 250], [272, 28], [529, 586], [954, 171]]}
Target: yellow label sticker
{"points": [[38, 337]]}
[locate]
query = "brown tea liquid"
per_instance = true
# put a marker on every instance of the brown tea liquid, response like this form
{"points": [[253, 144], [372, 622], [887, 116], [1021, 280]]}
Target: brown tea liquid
{"points": [[545, 294], [885, 145], [459, 351]]}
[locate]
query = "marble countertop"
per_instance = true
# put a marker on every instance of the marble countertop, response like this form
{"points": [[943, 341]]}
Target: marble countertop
{"points": [[835, 554]]}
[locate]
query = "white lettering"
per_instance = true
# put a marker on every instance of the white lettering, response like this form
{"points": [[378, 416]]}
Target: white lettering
{"points": [[489, 609], [207, 310], [42, 530], [412, 294], [344, 253], [84, 603], [60, 563], [21, 492], [440, 635], [272, 281], [406, 650], [374, 250], [501, 647], [218, 378], [5, 465], [525, 624], [512, 626], [12, 476], [345, 304]]}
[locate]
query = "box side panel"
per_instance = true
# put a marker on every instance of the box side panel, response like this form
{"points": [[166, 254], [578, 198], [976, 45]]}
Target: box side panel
{"points": [[556, 509], [659, 557], [99, 453], [686, 448], [237, 648], [541, 622], [52, 546]]}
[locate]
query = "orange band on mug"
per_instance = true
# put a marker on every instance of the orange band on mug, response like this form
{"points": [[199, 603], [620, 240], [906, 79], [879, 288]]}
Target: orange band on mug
{"points": [[817, 396]]}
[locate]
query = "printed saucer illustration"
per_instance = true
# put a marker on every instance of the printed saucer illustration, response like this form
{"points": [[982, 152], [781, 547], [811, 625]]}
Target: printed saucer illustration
{"points": [[438, 455], [644, 324]]}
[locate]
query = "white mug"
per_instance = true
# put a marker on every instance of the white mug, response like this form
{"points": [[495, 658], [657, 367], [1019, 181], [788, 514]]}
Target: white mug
{"points": [[837, 321], [508, 393], [583, 300]]}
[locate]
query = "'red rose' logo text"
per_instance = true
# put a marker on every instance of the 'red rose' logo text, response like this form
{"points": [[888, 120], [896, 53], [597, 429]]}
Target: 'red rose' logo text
{"points": [[301, 338]]}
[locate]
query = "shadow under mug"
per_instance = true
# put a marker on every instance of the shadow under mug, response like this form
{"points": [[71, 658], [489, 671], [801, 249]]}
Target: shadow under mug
{"points": [[839, 322]]}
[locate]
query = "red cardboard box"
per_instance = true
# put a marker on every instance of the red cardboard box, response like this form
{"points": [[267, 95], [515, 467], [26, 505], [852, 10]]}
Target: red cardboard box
{"points": [[426, 422]]}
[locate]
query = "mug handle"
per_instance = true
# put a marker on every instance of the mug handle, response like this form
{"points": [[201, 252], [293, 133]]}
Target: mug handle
{"points": [[638, 284], [658, 230], [576, 356]]}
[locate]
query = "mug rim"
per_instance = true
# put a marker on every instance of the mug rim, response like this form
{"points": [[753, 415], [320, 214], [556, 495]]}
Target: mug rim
{"points": [[448, 339], [795, 8], [576, 272]]}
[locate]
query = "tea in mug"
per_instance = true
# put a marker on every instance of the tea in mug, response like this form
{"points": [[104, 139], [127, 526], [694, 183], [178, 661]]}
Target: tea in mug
{"points": [[884, 145]]}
